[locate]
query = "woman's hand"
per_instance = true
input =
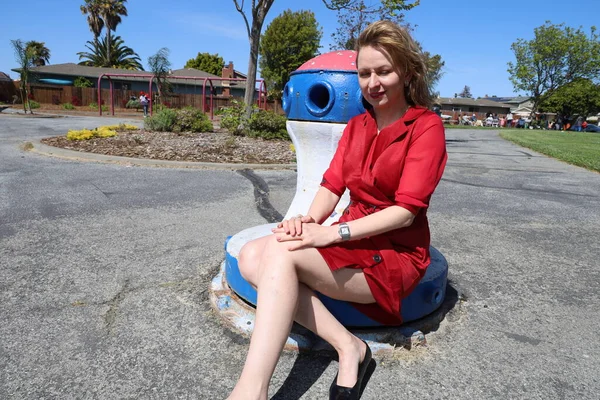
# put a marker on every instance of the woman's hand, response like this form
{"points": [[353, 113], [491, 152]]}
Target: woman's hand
{"points": [[311, 235], [293, 226]]}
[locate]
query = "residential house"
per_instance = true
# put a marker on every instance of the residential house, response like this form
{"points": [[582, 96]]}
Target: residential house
{"points": [[521, 105], [7, 88], [66, 74], [480, 107]]}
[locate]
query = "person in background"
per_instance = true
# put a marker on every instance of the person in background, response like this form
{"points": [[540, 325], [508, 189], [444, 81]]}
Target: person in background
{"points": [[578, 123], [509, 120], [144, 101]]}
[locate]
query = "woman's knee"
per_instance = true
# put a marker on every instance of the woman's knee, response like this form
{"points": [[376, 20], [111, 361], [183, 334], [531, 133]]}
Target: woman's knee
{"points": [[249, 260]]}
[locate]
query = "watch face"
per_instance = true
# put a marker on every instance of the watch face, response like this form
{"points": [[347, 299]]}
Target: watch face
{"points": [[344, 232]]}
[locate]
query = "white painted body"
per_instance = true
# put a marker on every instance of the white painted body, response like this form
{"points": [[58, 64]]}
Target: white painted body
{"points": [[315, 144]]}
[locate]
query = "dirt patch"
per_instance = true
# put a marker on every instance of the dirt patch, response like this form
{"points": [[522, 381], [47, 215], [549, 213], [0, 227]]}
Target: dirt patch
{"points": [[220, 147]]}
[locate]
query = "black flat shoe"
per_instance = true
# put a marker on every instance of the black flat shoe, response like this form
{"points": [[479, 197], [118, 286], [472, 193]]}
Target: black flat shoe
{"points": [[345, 393]]}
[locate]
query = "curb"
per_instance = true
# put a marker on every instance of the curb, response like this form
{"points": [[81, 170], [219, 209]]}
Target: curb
{"points": [[72, 155]]}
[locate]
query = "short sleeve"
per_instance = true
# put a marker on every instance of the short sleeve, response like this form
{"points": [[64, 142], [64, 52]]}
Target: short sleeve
{"points": [[333, 179], [423, 168]]}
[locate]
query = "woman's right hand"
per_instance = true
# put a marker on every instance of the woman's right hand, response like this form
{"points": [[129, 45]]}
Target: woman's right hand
{"points": [[293, 226]]}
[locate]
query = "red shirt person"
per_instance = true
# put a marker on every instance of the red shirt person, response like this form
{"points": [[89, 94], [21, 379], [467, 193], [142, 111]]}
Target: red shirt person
{"points": [[401, 165], [391, 159]]}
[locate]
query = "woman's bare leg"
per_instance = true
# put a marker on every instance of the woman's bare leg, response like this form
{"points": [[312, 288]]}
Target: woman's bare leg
{"points": [[282, 297]]}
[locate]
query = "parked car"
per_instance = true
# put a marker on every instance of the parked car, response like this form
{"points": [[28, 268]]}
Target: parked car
{"points": [[588, 128]]}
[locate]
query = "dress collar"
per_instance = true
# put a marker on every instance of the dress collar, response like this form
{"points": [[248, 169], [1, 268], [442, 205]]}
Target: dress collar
{"points": [[394, 131], [409, 116]]}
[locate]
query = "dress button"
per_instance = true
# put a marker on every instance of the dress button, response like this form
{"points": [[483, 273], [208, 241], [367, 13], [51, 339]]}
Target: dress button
{"points": [[377, 258]]}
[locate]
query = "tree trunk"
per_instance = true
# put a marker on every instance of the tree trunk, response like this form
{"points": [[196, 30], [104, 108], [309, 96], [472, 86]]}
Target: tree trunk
{"points": [[108, 46], [259, 12], [24, 98], [252, 61]]}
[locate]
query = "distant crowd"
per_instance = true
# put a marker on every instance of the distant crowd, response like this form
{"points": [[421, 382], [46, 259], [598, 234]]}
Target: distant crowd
{"points": [[558, 122]]}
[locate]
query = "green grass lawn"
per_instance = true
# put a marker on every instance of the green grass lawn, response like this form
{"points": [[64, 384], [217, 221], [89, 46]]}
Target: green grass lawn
{"points": [[577, 148]]}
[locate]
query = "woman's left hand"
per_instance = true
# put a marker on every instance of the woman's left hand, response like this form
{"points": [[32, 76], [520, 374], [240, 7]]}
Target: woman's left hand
{"points": [[313, 235]]}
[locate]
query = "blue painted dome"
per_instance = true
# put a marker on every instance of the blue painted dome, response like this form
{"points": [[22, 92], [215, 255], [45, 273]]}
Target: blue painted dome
{"points": [[324, 89]]}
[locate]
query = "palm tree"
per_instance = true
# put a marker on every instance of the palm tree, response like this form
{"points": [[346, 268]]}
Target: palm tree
{"points": [[25, 59], [111, 12], [39, 52], [120, 56], [95, 22]]}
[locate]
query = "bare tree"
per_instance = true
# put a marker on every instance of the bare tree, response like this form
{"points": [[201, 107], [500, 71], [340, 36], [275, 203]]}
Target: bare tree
{"points": [[259, 10]]}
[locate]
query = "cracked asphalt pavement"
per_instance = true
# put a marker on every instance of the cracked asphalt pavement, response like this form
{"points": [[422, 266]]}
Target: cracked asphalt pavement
{"points": [[105, 270]]}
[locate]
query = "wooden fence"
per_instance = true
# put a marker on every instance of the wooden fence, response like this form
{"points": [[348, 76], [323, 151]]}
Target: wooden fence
{"points": [[52, 94], [7, 91]]}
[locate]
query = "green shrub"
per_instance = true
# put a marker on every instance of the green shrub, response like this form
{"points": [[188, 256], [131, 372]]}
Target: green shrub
{"points": [[190, 119], [267, 125], [231, 116], [34, 104], [156, 107], [162, 121], [82, 82], [133, 104], [94, 106], [68, 106]]}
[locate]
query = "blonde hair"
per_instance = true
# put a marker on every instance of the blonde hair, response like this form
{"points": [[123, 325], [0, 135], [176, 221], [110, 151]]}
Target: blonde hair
{"points": [[405, 55]]}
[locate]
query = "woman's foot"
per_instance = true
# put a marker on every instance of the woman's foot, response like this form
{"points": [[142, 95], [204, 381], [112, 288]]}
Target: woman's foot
{"points": [[349, 359]]}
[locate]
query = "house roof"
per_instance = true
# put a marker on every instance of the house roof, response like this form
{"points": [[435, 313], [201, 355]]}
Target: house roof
{"points": [[461, 101], [4, 77], [192, 72], [517, 100], [76, 70]]}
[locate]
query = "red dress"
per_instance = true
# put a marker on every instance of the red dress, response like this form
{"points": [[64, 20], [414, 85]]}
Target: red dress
{"points": [[401, 166]]}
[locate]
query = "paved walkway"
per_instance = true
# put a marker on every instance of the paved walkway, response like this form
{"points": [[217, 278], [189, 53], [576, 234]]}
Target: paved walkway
{"points": [[105, 269]]}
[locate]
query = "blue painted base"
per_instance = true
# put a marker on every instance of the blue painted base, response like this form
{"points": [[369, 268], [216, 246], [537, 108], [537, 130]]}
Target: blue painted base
{"points": [[426, 298]]}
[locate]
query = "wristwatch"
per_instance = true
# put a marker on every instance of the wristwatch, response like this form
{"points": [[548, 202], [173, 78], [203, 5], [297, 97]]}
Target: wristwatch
{"points": [[344, 231]]}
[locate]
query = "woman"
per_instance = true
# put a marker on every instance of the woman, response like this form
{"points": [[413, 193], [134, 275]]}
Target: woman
{"points": [[390, 158]]}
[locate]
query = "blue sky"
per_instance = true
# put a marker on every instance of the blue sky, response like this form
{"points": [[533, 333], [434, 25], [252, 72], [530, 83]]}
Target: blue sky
{"points": [[473, 37]]}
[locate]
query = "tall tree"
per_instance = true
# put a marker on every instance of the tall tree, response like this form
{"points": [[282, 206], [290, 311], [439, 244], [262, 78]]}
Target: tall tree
{"points": [[291, 39], [466, 92], [211, 63], [111, 12], [259, 10], [160, 66], [120, 56], [92, 8], [556, 56], [24, 57], [355, 15], [435, 72], [580, 97], [39, 52]]}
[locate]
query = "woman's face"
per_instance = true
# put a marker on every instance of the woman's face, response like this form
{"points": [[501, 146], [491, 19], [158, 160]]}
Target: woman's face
{"points": [[380, 83]]}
